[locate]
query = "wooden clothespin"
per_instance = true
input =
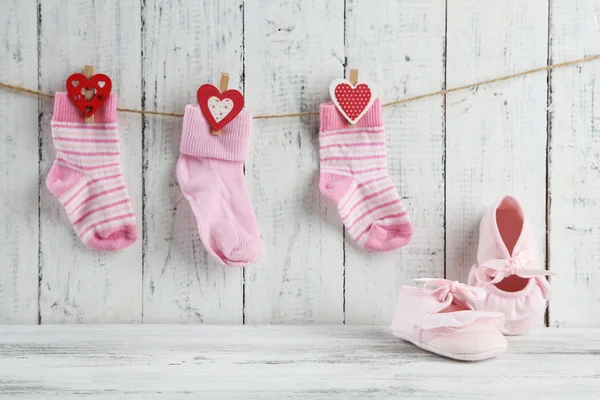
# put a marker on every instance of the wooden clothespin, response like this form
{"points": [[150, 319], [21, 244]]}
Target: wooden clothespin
{"points": [[89, 71], [223, 86], [353, 81], [220, 105]]}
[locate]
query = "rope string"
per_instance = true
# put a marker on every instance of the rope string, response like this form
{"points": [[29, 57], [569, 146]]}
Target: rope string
{"points": [[393, 103]]}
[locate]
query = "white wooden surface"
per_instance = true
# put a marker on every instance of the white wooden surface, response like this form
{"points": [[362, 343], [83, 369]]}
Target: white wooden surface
{"points": [[275, 362], [19, 181], [181, 283], [292, 49], [574, 159], [449, 156]]}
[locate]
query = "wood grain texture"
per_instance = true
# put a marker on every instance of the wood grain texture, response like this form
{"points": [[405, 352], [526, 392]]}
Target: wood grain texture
{"points": [[79, 284], [574, 160], [495, 134], [18, 166], [284, 362], [399, 45], [186, 44], [294, 49], [449, 160]]}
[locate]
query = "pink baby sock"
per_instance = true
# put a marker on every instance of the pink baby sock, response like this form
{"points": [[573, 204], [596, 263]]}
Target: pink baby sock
{"points": [[86, 175], [354, 175], [210, 173]]}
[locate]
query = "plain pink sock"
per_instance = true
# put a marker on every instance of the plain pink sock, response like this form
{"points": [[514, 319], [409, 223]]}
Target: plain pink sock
{"points": [[86, 176], [353, 173], [210, 174]]}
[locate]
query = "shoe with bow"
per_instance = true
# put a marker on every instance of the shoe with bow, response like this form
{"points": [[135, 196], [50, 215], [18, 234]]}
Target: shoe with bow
{"points": [[440, 318], [508, 269]]}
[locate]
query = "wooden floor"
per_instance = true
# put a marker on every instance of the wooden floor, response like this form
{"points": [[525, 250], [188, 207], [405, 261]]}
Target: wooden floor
{"points": [[449, 157], [284, 362]]}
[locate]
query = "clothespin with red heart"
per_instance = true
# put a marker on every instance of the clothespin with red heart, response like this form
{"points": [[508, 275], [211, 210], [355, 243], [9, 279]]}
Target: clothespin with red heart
{"points": [[220, 107], [89, 91], [352, 98]]}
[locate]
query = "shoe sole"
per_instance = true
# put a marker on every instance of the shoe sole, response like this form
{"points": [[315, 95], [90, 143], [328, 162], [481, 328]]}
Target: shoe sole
{"points": [[455, 356]]}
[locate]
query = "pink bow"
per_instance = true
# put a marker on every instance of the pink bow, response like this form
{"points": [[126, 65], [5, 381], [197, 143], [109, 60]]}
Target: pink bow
{"points": [[445, 289], [493, 271]]}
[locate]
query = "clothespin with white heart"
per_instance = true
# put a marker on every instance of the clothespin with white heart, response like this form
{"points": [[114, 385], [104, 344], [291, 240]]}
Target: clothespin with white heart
{"points": [[219, 107], [89, 91], [352, 98]]}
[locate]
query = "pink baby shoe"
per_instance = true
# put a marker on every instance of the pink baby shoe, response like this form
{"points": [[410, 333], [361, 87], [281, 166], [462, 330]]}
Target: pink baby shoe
{"points": [[440, 318], [509, 269]]}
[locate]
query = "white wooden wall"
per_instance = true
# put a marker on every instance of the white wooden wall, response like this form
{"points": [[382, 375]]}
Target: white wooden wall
{"points": [[449, 156]]}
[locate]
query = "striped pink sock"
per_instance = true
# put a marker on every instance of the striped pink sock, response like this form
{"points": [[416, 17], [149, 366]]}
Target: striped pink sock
{"points": [[354, 175], [86, 175]]}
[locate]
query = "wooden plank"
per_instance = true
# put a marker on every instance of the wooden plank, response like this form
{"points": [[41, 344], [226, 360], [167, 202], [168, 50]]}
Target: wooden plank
{"points": [[495, 134], [290, 362], [18, 166], [294, 49], [185, 45], [574, 159], [79, 284], [400, 46]]}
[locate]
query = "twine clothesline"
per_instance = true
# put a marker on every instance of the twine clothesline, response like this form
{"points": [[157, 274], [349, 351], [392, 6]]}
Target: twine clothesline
{"points": [[390, 104]]}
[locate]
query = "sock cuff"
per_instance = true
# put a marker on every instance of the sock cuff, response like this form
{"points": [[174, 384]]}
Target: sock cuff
{"points": [[66, 111], [332, 118], [197, 139]]}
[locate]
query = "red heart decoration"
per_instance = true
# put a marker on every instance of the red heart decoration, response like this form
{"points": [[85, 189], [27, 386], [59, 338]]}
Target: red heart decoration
{"points": [[218, 108], [352, 100], [102, 85]]}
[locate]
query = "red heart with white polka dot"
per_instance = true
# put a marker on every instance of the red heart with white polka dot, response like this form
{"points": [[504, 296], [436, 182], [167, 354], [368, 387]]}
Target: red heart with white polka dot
{"points": [[352, 101]]}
